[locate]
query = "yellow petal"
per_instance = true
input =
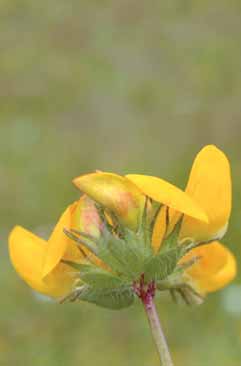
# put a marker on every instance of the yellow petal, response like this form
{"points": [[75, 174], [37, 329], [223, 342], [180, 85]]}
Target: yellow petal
{"points": [[81, 215], [59, 243], [171, 196], [165, 222], [223, 277], [174, 217], [115, 193], [212, 256], [27, 252], [210, 186], [215, 268], [159, 229]]}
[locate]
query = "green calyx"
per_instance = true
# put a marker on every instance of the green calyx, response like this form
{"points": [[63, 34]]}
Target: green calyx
{"points": [[127, 256]]}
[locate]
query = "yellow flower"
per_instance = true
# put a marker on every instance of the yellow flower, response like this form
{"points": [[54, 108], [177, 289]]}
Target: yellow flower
{"points": [[119, 204], [38, 261], [209, 186]]}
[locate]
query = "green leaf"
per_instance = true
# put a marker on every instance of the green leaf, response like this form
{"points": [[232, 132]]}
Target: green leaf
{"points": [[115, 299], [161, 266]]}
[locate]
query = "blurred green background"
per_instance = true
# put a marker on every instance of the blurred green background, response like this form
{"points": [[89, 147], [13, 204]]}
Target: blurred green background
{"points": [[124, 86]]}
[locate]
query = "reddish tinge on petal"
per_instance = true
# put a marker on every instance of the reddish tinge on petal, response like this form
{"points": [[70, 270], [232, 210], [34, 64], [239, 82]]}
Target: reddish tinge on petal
{"points": [[85, 217], [82, 216], [115, 193]]}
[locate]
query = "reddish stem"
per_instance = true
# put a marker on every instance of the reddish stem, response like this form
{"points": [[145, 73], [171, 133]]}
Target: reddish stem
{"points": [[146, 293]]}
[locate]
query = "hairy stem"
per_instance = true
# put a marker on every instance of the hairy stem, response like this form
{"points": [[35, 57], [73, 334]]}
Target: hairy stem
{"points": [[157, 333]]}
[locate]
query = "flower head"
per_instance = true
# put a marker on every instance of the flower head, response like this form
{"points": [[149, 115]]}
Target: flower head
{"points": [[126, 233]]}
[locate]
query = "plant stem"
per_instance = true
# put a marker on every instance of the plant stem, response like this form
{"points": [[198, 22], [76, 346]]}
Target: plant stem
{"points": [[157, 333]]}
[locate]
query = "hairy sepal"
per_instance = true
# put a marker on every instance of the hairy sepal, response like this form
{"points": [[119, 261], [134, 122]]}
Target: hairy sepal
{"points": [[115, 299], [125, 257], [159, 267], [99, 278]]}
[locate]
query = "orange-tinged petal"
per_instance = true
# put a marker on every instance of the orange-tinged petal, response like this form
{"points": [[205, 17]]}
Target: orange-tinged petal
{"points": [[82, 215], [210, 186], [215, 268], [166, 193], [27, 252], [85, 217], [115, 193]]}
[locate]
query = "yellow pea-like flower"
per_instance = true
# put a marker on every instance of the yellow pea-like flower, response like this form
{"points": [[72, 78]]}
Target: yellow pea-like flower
{"points": [[204, 218], [39, 262], [130, 236], [202, 210]]}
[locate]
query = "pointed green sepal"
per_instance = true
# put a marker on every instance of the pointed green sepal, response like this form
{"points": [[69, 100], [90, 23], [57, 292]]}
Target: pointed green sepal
{"points": [[99, 278], [160, 266], [114, 299], [125, 257]]}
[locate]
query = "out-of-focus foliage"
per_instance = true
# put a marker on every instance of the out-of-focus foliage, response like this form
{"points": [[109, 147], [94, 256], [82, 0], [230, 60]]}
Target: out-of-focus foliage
{"points": [[125, 86]]}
